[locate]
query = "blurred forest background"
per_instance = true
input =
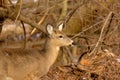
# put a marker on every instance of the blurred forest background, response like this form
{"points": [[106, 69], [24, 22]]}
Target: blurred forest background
{"points": [[93, 24]]}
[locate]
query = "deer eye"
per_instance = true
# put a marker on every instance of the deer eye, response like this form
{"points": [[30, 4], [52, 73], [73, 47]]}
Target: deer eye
{"points": [[60, 36]]}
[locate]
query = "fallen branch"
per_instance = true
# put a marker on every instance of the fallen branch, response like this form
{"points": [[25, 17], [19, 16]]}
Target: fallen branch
{"points": [[106, 24], [9, 13]]}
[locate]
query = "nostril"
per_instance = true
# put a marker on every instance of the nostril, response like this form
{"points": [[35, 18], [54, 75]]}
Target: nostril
{"points": [[73, 43]]}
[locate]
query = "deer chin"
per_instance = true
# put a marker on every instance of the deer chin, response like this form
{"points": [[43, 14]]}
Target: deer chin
{"points": [[57, 48]]}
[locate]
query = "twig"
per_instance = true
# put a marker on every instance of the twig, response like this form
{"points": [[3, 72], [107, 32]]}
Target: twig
{"points": [[19, 6], [63, 12], [106, 24], [24, 30], [69, 15], [87, 29], [69, 53], [40, 22], [11, 3]]}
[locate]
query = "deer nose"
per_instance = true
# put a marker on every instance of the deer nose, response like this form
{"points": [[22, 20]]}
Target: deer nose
{"points": [[74, 43]]}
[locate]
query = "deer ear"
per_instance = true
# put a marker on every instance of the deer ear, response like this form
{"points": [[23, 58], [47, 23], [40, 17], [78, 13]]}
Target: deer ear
{"points": [[49, 29], [60, 27]]}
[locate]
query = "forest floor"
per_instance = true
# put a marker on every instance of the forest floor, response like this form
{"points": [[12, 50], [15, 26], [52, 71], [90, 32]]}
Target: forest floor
{"points": [[103, 66]]}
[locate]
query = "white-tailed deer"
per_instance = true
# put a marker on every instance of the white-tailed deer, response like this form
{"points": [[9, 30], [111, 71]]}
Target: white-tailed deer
{"points": [[30, 64]]}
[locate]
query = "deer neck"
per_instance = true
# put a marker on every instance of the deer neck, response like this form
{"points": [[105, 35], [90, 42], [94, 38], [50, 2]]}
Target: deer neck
{"points": [[51, 52]]}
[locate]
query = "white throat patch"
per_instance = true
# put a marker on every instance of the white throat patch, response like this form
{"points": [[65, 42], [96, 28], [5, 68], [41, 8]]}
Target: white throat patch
{"points": [[8, 78], [57, 48]]}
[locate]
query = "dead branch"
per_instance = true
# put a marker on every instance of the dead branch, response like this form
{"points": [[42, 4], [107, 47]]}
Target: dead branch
{"points": [[87, 29], [105, 25], [24, 30], [70, 14], [40, 22], [28, 21], [18, 9], [9, 12]]}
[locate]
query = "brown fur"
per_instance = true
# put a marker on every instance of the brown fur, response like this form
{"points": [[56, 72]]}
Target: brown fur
{"points": [[30, 64]]}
